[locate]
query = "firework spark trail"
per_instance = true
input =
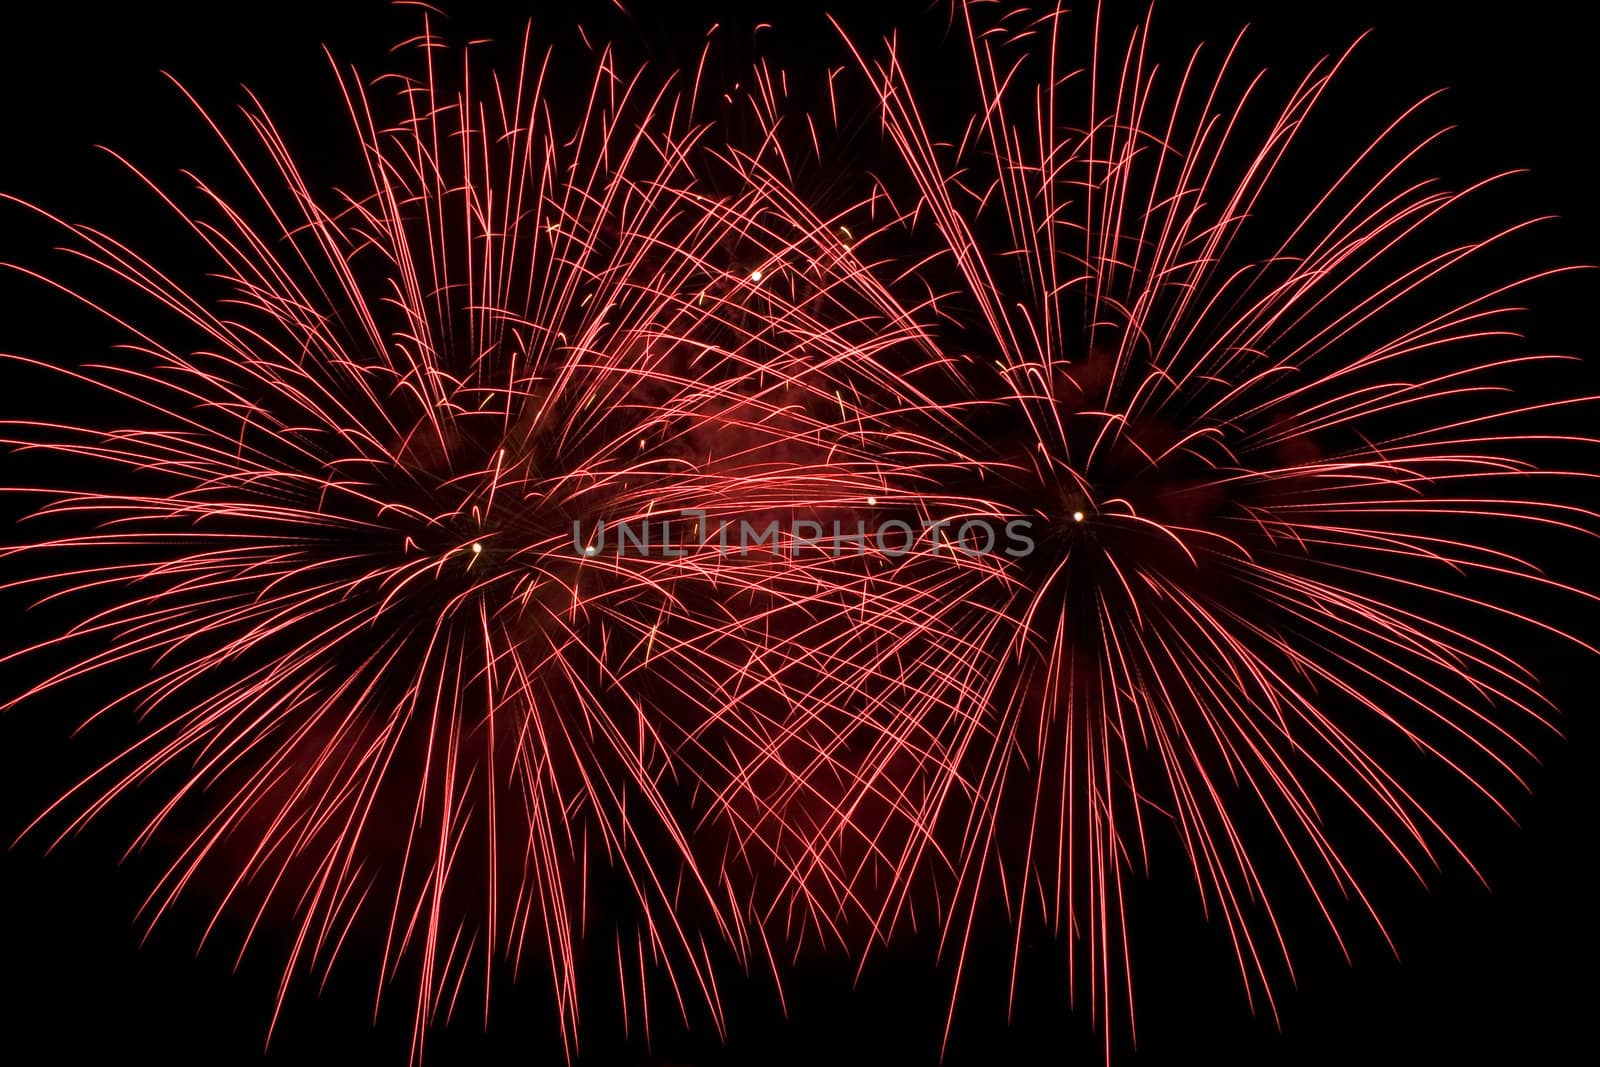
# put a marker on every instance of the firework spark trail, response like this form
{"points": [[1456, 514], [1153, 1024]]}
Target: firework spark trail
{"points": [[834, 677], [1277, 476], [338, 532]]}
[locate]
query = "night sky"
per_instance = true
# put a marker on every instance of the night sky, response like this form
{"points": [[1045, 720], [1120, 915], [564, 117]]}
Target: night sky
{"points": [[1485, 974]]}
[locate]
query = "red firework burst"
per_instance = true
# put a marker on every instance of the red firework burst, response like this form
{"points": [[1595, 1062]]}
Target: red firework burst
{"points": [[352, 532], [1271, 479], [342, 556]]}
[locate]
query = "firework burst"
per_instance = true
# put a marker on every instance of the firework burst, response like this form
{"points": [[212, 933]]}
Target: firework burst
{"points": [[344, 535], [351, 538], [1280, 483]]}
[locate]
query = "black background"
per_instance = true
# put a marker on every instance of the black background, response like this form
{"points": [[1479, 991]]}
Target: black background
{"points": [[1484, 976]]}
